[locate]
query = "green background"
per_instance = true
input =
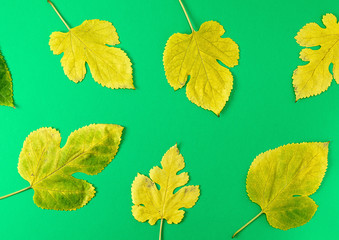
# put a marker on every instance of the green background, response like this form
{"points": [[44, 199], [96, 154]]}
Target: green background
{"points": [[260, 115]]}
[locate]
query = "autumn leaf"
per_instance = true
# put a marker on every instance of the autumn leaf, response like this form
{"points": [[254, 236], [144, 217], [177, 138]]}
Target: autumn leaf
{"points": [[49, 168], [196, 55], [280, 181], [6, 88], [315, 77], [110, 66], [152, 204]]}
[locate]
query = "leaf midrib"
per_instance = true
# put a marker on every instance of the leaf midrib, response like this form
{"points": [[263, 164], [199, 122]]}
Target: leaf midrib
{"points": [[287, 184], [98, 56], [52, 173], [325, 55], [68, 162], [165, 195]]}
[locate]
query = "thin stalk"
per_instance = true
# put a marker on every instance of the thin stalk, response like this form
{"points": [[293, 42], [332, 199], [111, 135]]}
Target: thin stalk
{"points": [[62, 19], [8, 195], [160, 232], [247, 224], [188, 19]]}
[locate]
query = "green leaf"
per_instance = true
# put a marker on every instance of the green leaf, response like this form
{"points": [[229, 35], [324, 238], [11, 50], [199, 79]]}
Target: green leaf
{"points": [[49, 168], [280, 181], [6, 88]]}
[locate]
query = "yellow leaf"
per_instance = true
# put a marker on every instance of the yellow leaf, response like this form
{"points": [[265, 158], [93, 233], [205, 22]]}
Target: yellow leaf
{"points": [[315, 77], [196, 55], [110, 66], [153, 204], [280, 181]]}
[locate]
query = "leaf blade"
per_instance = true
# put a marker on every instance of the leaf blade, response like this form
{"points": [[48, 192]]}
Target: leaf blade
{"points": [[49, 168], [6, 86], [152, 204], [315, 77], [278, 175], [110, 66], [196, 55]]}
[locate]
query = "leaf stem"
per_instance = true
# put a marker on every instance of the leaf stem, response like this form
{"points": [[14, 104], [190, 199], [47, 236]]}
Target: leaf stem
{"points": [[247, 224], [188, 19], [62, 19], [160, 232], [22, 190]]}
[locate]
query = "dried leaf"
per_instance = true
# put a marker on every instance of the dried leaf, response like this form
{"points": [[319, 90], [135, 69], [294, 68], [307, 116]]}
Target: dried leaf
{"points": [[49, 168], [110, 66], [196, 55], [315, 77], [280, 181], [153, 204]]}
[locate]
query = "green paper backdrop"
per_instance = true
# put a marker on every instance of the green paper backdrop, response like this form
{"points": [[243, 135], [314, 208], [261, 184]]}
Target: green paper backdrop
{"points": [[260, 115]]}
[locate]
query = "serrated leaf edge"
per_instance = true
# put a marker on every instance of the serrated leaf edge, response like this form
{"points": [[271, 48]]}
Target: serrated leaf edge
{"points": [[270, 150], [92, 187]]}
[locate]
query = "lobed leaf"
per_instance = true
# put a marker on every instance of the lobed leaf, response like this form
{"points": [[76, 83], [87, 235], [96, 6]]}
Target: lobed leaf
{"points": [[315, 77], [110, 66], [49, 168], [196, 55], [280, 181], [153, 204]]}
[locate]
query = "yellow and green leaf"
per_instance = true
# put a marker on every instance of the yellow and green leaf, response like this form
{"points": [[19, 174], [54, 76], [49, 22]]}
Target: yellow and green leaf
{"points": [[49, 168], [280, 181]]}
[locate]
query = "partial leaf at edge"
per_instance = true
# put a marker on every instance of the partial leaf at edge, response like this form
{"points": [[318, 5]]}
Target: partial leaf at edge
{"points": [[315, 77], [6, 87]]}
